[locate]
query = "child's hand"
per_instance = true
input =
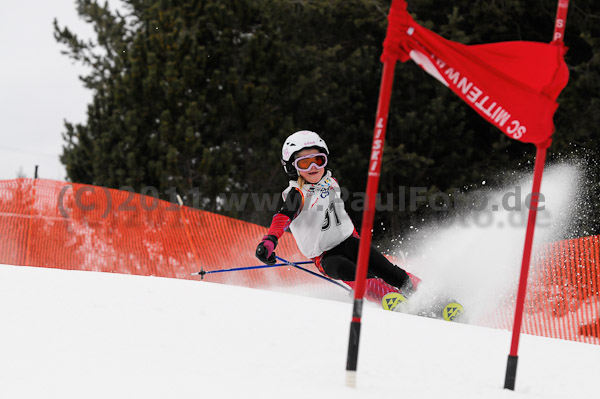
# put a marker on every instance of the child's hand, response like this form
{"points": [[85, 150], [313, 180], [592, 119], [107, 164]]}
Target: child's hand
{"points": [[265, 250]]}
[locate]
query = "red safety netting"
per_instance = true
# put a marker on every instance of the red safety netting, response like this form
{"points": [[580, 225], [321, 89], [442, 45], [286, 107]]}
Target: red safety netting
{"points": [[563, 296], [71, 226], [79, 227]]}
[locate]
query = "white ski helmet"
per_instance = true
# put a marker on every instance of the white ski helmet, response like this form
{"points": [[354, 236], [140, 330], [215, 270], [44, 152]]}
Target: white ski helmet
{"points": [[297, 142]]}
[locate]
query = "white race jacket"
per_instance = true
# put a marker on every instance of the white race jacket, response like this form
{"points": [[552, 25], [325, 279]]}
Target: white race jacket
{"points": [[322, 222]]}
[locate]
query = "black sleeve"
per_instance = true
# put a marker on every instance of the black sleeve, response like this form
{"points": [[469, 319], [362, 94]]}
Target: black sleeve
{"points": [[292, 205]]}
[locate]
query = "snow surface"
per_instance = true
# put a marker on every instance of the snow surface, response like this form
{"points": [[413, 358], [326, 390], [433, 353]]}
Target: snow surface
{"points": [[74, 334]]}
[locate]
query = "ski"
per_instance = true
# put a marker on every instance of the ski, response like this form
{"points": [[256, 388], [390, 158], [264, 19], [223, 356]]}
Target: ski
{"points": [[392, 300], [449, 310]]}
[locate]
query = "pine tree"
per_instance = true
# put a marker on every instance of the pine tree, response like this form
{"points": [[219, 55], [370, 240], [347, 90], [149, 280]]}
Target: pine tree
{"points": [[198, 96]]}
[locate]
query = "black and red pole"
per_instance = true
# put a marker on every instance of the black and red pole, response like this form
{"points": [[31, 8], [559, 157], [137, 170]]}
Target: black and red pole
{"points": [[368, 216], [511, 366], [389, 59], [540, 159]]}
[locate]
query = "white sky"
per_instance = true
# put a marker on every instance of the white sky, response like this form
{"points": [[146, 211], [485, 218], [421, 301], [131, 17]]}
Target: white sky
{"points": [[39, 87]]}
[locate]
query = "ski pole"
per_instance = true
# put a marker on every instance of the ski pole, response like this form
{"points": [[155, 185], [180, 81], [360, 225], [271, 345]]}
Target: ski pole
{"points": [[311, 272], [203, 272]]}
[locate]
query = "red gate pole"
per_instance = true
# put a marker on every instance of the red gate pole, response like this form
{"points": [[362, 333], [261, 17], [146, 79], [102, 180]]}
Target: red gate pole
{"points": [[383, 106], [511, 366], [561, 20]]}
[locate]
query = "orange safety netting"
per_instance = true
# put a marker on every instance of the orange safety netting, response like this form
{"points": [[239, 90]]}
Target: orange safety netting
{"points": [[72, 226], [79, 227], [563, 294]]}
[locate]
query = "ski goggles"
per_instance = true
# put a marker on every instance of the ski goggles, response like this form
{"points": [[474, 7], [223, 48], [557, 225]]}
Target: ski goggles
{"points": [[303, 164]]}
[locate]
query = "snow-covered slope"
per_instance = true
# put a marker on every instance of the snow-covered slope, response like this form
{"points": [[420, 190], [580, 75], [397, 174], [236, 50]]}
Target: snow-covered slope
{"points": [[71, 334]]}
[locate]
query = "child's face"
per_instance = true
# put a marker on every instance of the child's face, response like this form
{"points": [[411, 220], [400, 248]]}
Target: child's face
{"points": [[313, 175]]}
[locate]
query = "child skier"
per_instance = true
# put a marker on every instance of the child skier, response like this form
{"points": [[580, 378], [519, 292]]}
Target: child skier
{"points": [[315, 214]]}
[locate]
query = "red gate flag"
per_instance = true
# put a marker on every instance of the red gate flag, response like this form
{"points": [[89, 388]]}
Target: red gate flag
{"points": [[513, 85]]}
